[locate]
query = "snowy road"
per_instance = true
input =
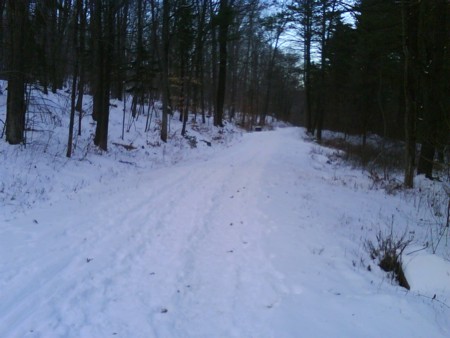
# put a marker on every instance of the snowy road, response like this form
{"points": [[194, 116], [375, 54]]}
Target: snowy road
{"points": [[250, 243]]}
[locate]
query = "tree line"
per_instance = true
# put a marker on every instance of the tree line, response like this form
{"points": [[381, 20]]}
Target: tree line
{"points": [[360, 67], [379, 66], [210, 58]]}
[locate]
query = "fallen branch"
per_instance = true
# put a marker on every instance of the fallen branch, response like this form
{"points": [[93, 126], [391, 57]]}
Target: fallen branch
{"points": [[126, 146]]}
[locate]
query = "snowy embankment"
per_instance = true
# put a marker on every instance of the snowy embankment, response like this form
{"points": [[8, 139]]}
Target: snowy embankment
{"points": [[260, 239]]}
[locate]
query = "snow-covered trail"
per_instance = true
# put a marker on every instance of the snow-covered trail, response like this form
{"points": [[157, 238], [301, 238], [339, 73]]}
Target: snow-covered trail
{"points": [[245, 244]]}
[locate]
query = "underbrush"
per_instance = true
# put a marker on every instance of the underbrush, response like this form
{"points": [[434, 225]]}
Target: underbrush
{"points": [[429, 218], [38, 170], [387, 252], [382, 158]]}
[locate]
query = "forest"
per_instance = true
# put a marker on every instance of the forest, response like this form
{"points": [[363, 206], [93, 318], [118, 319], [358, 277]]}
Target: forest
{"points": [[224, 168], [359, 67]]}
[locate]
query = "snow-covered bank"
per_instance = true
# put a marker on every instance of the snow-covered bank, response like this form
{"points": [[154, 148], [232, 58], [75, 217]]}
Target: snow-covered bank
{"points": [[41, 172], [261, 239]]}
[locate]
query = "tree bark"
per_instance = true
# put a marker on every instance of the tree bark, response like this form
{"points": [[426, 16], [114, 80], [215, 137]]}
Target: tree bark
{"points": [[74, 77], [15, 110], [308, 31], [432, 39], [104, 16], [2, 32], [81, 53], [164, 60], [409, 27], [224, 17]]}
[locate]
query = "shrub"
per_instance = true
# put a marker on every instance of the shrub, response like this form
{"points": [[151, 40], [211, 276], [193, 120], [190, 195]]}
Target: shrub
{"points": [[387, 251]]}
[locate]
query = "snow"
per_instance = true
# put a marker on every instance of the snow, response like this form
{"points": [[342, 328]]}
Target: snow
{"points": [[429, 274], [258, 235]]}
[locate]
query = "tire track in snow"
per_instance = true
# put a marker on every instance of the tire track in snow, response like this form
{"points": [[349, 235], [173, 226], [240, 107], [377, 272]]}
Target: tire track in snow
{"points": [[52, 263], [218, 262], [160, 250]]}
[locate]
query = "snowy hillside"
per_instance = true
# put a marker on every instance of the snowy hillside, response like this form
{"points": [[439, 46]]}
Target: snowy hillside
{"points": [[223, 234]]}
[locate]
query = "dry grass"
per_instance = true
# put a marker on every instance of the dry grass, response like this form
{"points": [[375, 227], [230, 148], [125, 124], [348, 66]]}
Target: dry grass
{"points": [[380, 160]]}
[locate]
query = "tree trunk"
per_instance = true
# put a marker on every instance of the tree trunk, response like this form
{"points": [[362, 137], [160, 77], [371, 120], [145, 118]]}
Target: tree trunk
{"points": [[138, 93], [323, 92], [53, 48], [104, 16], [425, 165], [120, 49], [164, 60], [307, 65], [225, 16], [213, 75], [198, 94], [2, 32], [432, 46], [15, 110], [81, 81], [409, 25], [74, 77]]}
